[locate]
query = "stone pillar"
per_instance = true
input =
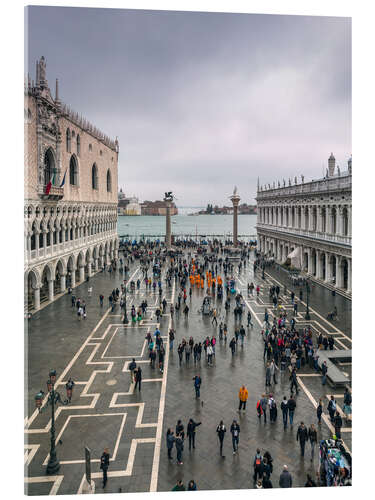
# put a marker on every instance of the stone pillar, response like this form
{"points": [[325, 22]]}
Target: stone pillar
{"points": [[318, 264], [96, 261], [339, 280], [349, 275], [37, 243], [350, 221], [329, 220], [327, 267], [320, 219], [89, 270], [82, 273], [73, 278], [340, 225], [309, 261], [63, 282], [235, 199], [168, 230], [45, 241], [50, 290], [37, 299]]}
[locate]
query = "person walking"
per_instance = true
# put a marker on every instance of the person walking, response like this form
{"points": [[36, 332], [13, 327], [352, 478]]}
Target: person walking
{"points": [[324, 373], [263, 404], [190, 432], [332, 408], [197, 385], [285, 480], [180, 429], [138, 378], [235, 431], [243, 396], [249, 322], [337, 422], [313, 438], [268, 374], [179, 448], [293, 381], [171, 339], [104, 464], [273, 368], [132, 367], [258, 466], [284, 409], [170, 443], [291, 409], [302, 437], [319, 411], [221, 430]]}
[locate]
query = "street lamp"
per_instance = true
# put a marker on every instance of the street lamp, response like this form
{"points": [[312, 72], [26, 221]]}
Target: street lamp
{"points": [[263, 266], [125, 320], [307, 315], [53, 399]]}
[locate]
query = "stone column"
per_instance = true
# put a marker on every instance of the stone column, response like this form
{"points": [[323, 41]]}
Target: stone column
{"points": [[327, 267], [168, 231], [63, 282], [73, 278], [37, 299], [338, 272], [82, 273], [37, 243], [50, 290], [309, 261], [320, 219], [329, 220], [349, 275], [350, 220], [318, 264], [235, 199], [340, 224], [89, 270]]}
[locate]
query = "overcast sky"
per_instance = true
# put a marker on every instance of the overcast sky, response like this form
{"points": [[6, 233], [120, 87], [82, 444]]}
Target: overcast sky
{"points": [[201, 102]]}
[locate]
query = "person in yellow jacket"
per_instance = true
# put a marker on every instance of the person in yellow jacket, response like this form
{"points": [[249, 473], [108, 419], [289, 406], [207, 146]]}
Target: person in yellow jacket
{"points": [[243, 395]]}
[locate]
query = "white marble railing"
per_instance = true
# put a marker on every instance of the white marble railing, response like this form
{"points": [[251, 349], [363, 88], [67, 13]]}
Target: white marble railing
{"points": [[329, 238], [58, 249], [333, 183]]}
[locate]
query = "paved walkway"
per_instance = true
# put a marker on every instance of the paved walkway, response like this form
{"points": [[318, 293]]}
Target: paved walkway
{"points": [[105, 411]]}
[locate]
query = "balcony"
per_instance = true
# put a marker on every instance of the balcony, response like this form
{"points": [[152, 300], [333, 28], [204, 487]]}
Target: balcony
{"points": [[312, 235], [55, 193]]}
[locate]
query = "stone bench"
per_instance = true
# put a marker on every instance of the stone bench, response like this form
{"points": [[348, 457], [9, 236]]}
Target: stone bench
{"points": [[334, 375]]}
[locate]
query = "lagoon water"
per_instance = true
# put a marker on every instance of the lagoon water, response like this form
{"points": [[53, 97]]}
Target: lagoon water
{"points": [[184, 225]]}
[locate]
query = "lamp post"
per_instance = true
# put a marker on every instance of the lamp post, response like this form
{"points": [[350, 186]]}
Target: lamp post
{"points": [[307, 315], [53, 399], [263, 266], [125, 320]]}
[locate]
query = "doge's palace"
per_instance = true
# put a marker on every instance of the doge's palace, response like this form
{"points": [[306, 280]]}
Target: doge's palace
{"points": [[311, 223], [70, 217]]}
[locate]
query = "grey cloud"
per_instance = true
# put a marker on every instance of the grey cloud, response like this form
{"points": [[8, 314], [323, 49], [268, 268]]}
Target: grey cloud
{"points": [[204, 101]]}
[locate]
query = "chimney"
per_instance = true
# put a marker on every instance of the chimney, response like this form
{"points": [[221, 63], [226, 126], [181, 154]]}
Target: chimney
{"points": [[331, 165]]}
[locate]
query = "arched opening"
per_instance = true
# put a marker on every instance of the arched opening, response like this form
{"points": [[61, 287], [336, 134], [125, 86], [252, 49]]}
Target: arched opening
{"points": [[314, 219], [305, 261], [94, 177], [31, 286], [46, 277], [33, 236], [293, 217], [323, 266], [49, 166], [344, 274], [78, 145], [332, 266], [324, 219], [345, 222], [306, 213], [68, 141], [333, 221], [73, 171], [299, 217], [58, 273], [313, 262]]}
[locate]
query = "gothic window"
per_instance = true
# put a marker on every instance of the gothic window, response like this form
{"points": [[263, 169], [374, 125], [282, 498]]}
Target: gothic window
{"points": [[109, 182], [78, 145], [68, 141], [94, 177], [73, 171], [334, 220], [33, 236], [90, 147], [345, 222], [49, 165]]}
